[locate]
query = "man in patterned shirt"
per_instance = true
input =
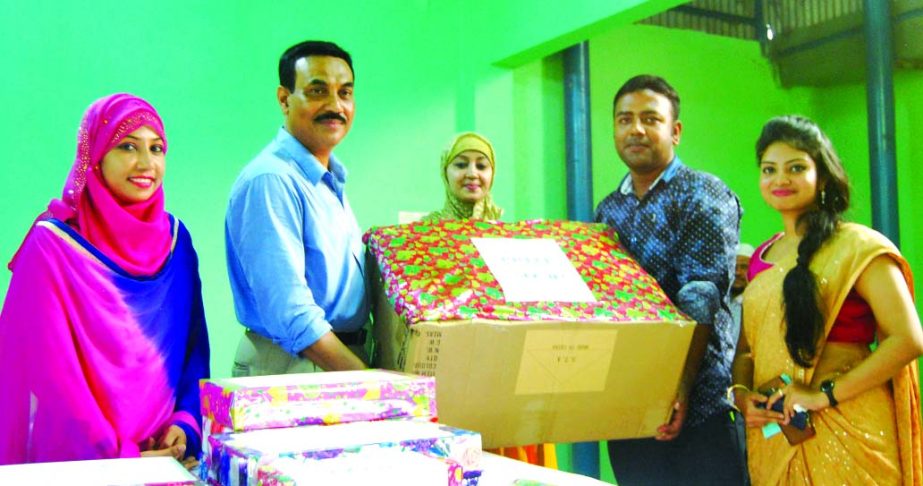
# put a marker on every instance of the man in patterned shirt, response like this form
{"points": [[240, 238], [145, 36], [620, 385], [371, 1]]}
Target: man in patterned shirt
{"points": [[682, 226]]}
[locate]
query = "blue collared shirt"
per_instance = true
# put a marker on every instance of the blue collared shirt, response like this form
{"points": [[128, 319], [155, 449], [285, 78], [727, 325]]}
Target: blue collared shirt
{"points": [[684, 232], [294, 250]]}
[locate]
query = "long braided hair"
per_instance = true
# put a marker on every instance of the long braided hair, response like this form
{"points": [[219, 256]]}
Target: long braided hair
{"points": [[803, 315]]}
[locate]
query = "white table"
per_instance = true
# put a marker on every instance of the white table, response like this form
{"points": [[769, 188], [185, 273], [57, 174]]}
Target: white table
{"points": [[109, 472], [498, 471], [502, 471]]}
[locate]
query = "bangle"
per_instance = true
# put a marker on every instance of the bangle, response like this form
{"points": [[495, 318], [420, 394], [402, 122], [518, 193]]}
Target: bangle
{"points": [[730, 395]]}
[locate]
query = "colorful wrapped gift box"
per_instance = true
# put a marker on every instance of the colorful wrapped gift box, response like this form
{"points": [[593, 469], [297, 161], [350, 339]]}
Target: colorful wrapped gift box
{"points": [[552, 369], [236, 458], [433, 272], [260, 402], [373, 466]]}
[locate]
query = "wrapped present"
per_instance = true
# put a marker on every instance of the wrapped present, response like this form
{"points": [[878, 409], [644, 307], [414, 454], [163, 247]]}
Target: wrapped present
{"points": [[550, 322], [435, 272], [260, 402], [378, 466], [236, 458]]}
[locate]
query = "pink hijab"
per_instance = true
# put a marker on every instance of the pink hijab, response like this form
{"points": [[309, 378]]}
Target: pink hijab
{"points": [[135, 236]]}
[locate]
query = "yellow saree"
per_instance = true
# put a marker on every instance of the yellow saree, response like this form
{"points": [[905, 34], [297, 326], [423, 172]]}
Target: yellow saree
{"points": [[874, 438]]}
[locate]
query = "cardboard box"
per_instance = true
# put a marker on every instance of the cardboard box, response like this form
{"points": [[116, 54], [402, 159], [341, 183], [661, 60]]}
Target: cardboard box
{"points": [[236, 458], [521, 383], [542, 378]]}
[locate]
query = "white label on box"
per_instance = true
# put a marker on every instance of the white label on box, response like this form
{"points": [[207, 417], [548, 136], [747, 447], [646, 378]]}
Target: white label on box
{"points": [[565, 361], [532, 270]]}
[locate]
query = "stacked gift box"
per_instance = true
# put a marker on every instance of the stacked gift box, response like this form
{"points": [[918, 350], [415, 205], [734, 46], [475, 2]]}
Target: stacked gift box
{"points": [[264, 456], [271, 429], [265, 402], [378, 466], [599, 357]]}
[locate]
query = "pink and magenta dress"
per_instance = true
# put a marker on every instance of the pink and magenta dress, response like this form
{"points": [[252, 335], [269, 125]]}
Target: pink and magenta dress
{"points": [[102, 333]]}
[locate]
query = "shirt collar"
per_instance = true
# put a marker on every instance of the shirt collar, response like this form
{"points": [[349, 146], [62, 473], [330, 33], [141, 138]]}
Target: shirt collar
{"points": [[312, 168], [666, 176]]}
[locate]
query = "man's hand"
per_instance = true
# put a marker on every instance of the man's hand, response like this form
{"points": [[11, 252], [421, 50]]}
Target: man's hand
{"points": [[671, 430]]}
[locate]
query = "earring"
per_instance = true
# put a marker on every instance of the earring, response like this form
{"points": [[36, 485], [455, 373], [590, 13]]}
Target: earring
{"points": [[823, 197]]}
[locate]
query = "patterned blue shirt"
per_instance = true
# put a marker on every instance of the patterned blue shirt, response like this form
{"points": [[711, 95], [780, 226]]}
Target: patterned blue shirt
{"points": [[684, 232], [294, 250]]}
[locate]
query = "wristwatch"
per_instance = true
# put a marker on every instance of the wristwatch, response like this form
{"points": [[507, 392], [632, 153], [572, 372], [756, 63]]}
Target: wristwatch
{"points": [[826, 386]]}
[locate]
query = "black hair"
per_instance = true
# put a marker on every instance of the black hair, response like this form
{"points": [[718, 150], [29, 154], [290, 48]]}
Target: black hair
{"points": [[305, 49], [803, 315], [653, 83]]}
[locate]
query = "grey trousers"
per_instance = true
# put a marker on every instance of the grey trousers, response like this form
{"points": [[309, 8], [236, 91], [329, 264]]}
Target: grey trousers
{"points": [[258, 356]]}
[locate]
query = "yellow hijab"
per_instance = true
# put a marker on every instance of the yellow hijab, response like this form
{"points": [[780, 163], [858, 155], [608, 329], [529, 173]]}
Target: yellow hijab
{"points": [[455, 208]]}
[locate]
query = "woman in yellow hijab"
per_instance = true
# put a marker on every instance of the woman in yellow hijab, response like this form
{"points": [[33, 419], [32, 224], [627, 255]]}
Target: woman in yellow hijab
{"points": [[468, 168], [468, 174]]}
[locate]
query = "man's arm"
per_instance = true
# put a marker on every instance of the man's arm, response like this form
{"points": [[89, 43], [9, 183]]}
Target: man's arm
{"points": [[704, 260], [331, 354], [265, 228]]}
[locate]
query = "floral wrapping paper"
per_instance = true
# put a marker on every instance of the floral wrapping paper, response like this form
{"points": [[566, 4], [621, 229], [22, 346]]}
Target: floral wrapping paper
{"points": [[262, 402], [237, 458], [433, 272], [385, 466]]}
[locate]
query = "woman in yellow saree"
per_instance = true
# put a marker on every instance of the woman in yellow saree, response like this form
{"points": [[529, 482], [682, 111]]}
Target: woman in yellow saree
{"points": [[819, 294]]}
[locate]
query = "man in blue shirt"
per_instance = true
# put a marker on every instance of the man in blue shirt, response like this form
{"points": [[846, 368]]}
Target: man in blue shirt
{"points": [[294, 249], [682, 226]]}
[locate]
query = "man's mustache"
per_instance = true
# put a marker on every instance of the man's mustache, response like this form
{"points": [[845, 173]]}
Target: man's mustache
{"points": [[330, 116]]}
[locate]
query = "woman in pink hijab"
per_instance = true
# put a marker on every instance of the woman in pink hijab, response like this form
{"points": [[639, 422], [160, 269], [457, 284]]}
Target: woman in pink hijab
{"points": [[102, 333]]}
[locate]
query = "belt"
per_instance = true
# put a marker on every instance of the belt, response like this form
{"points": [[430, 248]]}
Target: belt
{"points": [[354, 338]]}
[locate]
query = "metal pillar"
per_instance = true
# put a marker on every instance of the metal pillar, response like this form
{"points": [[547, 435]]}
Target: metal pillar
{"points": [[577, 132], [579, 184], [880, 98]]}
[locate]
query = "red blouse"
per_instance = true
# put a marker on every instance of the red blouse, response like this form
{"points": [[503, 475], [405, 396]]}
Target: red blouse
{"points": [[855, 322]]}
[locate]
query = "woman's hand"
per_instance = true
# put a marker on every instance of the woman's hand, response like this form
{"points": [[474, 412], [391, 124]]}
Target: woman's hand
{"points": [[755, 415], [190, 463], [172, 443], [798, 398]]}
